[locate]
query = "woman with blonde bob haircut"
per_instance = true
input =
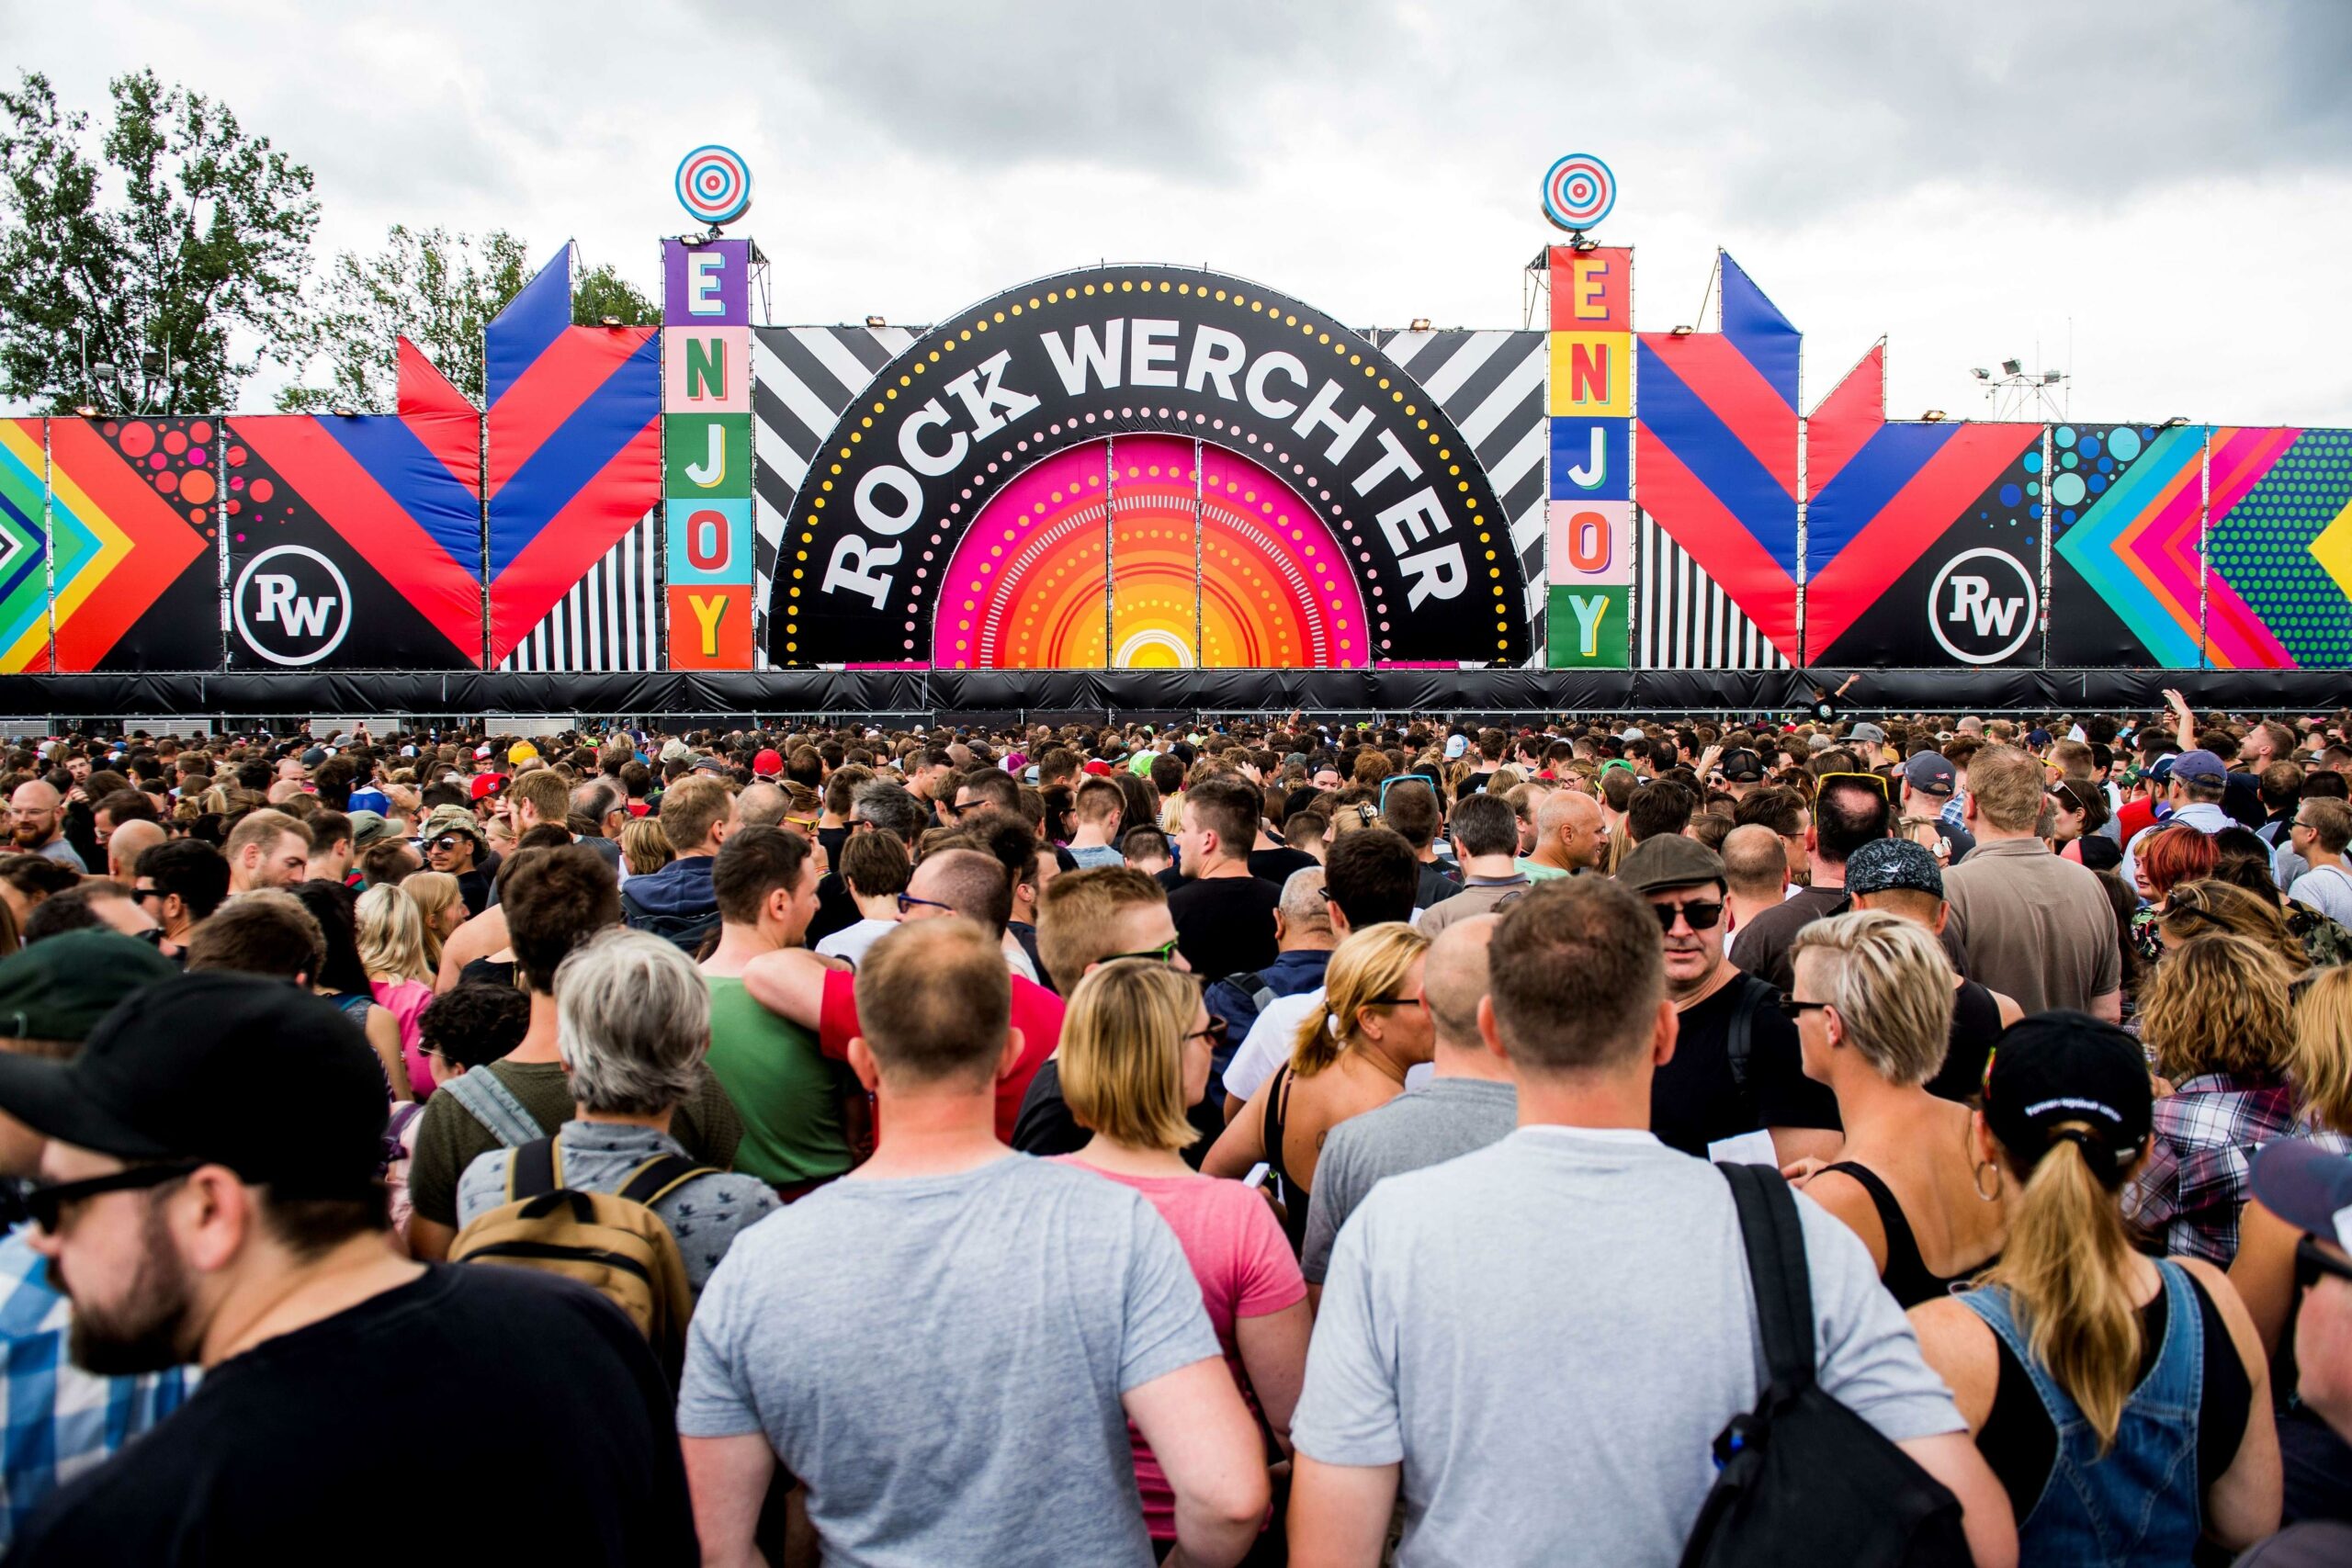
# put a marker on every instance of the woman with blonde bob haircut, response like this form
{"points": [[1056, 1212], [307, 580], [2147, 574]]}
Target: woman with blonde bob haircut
{"points": [[1350, 1055], [2123, 1399], [391, 949], [1873, 1003], [2216, 1017], [1135, 1057], [443, 910]]}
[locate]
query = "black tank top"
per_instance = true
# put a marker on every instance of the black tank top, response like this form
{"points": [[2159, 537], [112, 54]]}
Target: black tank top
{"points": [[2020, 1444], [1294, 1192], [1975, 1024], [1906, 1277]]}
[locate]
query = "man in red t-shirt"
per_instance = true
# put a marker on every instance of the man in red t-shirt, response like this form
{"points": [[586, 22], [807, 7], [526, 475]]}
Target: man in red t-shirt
{"points": [[798, 984]]}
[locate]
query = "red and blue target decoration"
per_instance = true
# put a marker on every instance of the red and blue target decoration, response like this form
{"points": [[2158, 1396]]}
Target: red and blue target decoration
{"points": [[714, 185], [1578, 192]]}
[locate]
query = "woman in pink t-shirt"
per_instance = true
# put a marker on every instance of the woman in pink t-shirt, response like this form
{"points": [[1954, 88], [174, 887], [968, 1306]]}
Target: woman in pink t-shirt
{"points": [[391, 948], [1134, 1057]]}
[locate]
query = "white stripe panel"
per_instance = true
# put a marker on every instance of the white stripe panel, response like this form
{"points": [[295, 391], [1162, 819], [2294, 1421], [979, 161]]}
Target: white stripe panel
{"points": [[805, 405], [1401, 347], [1528, 375], [1442, 382], [1530, 451], [835, 356]]}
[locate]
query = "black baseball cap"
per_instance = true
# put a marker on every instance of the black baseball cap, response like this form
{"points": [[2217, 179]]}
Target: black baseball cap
{"points": [[2057, 1068], [1740, 766], [61, 986], [250, 1073]]}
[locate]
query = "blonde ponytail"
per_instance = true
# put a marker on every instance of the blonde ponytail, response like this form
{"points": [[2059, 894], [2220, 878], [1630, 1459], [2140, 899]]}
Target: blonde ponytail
{"points": [[2067, 1268], [1365, 970]]}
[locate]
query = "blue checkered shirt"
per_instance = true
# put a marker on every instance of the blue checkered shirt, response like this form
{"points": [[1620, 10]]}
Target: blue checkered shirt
{"points": [[56, 1419]]}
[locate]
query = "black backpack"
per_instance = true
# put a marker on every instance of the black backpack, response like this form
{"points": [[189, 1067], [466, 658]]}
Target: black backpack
{"points": [[1802, 1479]]}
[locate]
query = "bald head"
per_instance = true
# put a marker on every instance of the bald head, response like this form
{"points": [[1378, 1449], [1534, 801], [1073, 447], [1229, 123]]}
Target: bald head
{"points": [[1756, 863], [33, 812], [126, 843], [1453, 979], [1570, 829]]}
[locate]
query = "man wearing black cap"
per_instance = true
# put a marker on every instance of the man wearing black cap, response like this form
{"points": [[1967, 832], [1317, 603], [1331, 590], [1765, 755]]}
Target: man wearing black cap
{"points": [[1736, 1065], [213, 1197], [61, 1420]]}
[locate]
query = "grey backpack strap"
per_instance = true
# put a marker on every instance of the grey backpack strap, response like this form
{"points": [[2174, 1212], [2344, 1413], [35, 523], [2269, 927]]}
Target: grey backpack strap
{"points": [[493, 1105]]}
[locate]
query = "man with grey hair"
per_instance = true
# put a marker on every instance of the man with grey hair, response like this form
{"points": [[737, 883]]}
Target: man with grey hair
{"points": [[599, 811], [1755, 872], [1467, 1103], [632, 1022], [1302, 940]]}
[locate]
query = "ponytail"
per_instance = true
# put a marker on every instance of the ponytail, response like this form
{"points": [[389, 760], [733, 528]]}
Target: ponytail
{"points": [[1317, 1046], [2065, 1267]]}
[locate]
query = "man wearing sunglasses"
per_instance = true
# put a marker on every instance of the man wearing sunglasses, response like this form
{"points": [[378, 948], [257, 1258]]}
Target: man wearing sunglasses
{"points": [[1736, 1065], [52, 995], [2311, 1189], [211, 1196], [2321, 833]]}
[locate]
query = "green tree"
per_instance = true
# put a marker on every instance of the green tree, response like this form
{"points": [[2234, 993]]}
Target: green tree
{"points": [[437, 289], [440, 290], [604, 292], [162, 298]]}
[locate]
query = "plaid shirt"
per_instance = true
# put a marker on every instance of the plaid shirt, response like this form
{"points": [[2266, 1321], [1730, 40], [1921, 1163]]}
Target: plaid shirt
{"points": [[2195, 1181], [57, 1420]]}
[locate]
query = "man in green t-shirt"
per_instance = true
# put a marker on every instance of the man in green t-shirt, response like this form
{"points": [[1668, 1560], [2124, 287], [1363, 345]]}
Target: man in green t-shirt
{"points": [[792, 1099]]}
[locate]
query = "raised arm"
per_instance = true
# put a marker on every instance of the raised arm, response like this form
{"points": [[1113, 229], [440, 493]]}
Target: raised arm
{"points": [[790, 982]]}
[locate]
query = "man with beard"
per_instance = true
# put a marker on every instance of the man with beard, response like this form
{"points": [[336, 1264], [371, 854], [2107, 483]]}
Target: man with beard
{"points": [[1736, 1067], [212, 1198], [61, 1420], [37, 819]]}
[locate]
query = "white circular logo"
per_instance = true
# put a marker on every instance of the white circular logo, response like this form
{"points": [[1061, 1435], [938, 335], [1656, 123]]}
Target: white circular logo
{"points": [[296, 603], [1983, 615]]}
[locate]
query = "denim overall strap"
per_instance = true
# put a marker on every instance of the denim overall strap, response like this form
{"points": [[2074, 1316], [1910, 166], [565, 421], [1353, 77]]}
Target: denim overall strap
{"points": [[2142, 1501]]}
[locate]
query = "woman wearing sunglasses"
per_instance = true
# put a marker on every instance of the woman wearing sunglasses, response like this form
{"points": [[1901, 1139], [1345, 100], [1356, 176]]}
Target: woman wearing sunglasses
{"points": [[1350, 1056], [2123, 1399], [1135, 1057], [1873, 1005]]}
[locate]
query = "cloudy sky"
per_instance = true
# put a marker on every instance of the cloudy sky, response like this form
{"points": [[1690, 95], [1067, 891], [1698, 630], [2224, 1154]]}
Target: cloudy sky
{"points": [[2160, 190]]}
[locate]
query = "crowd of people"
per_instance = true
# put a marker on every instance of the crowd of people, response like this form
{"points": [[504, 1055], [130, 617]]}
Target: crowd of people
{"points": [[1249, 1142]]}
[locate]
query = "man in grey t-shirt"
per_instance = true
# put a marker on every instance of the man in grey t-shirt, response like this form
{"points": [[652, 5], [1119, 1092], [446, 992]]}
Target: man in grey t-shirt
{"points": [[1467, 1103], [945, 1346], [1539, 1342]]}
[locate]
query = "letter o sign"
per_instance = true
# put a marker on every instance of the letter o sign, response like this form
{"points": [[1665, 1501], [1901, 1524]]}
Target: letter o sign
{"points": [[707, 545], [1588, 544], [900, 483]]}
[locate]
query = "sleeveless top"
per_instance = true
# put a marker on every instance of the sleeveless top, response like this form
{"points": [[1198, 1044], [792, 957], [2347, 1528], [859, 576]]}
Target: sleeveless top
{"points": [[1294, 1192], [2142, 1502], [1906, 1277]]}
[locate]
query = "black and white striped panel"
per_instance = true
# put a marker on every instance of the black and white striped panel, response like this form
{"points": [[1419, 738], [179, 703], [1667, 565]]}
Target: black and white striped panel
{"points": [[1682, 620], [1491, 385], [801, 380], [612, 617]]}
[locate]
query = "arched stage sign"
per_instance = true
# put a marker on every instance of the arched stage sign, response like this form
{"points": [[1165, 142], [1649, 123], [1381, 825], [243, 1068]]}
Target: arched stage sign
{"points": [[1130, 466]]}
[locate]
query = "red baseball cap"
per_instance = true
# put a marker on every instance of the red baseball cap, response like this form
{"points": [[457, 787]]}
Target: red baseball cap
{"points": [[767, 764], [488, 784]]}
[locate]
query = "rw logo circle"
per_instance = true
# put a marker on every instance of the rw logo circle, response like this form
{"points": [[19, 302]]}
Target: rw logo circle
{"points": [[292, 606], [1983, 606]]}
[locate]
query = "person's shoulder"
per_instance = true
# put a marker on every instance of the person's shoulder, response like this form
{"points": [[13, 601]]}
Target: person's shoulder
{"points": [[485, 1170]]}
